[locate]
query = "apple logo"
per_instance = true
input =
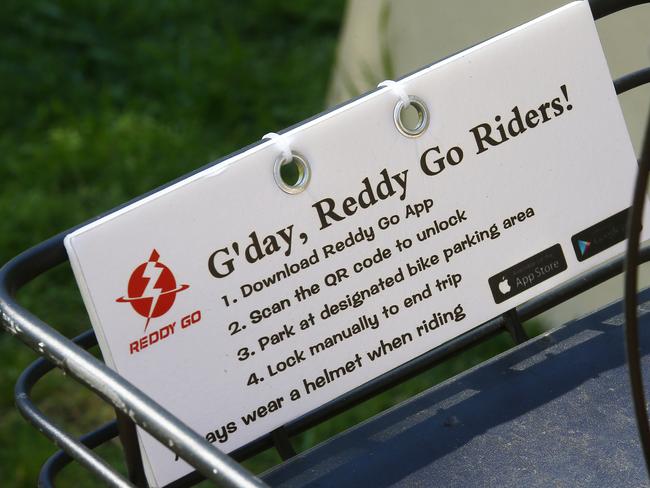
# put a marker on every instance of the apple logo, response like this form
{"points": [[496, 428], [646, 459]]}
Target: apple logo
{"points": [[504, 286]]}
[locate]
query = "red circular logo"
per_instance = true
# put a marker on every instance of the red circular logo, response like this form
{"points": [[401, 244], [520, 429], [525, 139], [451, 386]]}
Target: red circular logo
{"points": [[152, 289]]}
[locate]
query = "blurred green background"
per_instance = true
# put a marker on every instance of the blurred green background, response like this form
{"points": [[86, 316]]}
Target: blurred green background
{"points": [[102, 101]]}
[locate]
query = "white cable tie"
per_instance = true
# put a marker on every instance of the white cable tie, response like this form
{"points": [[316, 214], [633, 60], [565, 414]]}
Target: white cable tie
{"points": [[397, 89], [281, 143]]}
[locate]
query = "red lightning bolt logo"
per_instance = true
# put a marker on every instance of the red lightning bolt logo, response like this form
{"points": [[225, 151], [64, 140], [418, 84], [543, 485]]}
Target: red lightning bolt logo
{"points": [[152, 272], [152, 289]]}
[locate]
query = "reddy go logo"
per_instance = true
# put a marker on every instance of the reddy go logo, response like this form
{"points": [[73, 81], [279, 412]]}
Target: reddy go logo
{"points": [[152, 289]]}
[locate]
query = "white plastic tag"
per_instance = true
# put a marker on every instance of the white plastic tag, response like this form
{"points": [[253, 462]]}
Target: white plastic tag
{"points": [[239, 306]]}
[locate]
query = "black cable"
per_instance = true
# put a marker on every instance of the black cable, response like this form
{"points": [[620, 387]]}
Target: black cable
{"points": [[631, 278], [632, 80], [602, 8]]}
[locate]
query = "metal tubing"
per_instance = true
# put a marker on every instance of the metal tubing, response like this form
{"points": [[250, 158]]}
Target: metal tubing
{"points": [[83, 367], [282, 443], [602, 8], [79, 452], [514, 327], [60, 459], [632, 80], [632, 348], [49, 429]]}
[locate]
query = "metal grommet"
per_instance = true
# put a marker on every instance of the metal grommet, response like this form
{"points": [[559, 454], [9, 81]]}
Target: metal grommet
{"points": [[296, 173], [422, 113]]}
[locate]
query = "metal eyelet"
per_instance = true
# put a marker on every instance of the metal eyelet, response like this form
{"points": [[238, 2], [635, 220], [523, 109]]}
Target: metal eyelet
{"points": [[423, 117], [303, 173]]}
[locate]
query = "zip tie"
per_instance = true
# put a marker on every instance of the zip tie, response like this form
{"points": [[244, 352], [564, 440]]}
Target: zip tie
{"points": [[281, 143], [397, 89]]}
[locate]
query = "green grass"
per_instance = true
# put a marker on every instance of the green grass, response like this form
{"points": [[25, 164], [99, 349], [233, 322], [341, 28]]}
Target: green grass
{"points": [[102, 101]]}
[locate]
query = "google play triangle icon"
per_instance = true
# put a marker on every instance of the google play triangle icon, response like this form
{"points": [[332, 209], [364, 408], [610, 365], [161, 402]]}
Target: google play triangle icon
{"points": [[600, 236]]}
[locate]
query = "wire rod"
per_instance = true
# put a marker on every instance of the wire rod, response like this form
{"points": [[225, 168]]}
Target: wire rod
{"points": [[631, 279], [632, 80]]}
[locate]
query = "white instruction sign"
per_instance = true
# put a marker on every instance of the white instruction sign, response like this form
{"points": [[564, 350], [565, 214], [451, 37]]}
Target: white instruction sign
{"points": [[239, 306]]}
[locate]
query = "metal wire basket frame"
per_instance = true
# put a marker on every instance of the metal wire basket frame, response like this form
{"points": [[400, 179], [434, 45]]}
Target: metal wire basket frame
{"points": [[133, 407]]}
